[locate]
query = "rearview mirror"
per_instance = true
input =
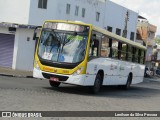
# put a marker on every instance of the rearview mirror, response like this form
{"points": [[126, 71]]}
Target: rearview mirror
{"points": [[35, 33], [35, 36]]}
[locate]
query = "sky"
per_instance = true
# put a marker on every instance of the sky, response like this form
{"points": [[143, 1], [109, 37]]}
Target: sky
{"points": [[149, 9]]}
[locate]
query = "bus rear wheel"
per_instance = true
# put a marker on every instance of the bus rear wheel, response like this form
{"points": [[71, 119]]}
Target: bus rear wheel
{"points": [[97, 84], [54, 84], [128, 84]]}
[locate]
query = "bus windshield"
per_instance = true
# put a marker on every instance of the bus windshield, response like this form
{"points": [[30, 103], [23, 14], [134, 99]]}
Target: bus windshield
{"points": [[62, 46]]}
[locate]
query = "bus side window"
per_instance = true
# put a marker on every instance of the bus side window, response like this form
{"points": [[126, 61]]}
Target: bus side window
{"points": [[136, 55], [105, 50], [110, 46], [95, 47], [115, 49], [130, 53], [95, 44], [139, 56], [124, 51], [142, 56], [119, 50], [133, 54]]}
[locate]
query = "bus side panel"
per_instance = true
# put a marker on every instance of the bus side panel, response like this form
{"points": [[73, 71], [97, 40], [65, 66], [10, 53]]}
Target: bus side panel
{"points": [[109, 66], [136, 80], [116, 72], [37, 73], [138, 73], [124, 68]]}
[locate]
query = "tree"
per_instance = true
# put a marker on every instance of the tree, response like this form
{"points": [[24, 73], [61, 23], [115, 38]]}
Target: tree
{"points": [[157, 40]]}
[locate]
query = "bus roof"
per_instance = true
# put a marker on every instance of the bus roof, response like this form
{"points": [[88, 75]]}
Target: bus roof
{"points": [[103, 31], [117, 37], [68, 21]]}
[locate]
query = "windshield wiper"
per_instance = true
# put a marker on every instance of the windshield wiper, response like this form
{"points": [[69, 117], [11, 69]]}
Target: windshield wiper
{"points": [[70, 38]]}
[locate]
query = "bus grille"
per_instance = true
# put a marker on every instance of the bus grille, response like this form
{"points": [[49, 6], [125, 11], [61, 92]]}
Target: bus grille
{"points": [[48, 76]]}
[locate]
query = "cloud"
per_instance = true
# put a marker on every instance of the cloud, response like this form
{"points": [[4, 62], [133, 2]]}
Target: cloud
{"points": [[147, 8]]}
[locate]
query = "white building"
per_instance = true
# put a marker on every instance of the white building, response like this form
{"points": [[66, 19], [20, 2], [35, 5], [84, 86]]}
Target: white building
{"points": [[18, 19]]}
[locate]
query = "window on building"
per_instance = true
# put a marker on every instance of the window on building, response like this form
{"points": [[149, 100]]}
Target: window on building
{"points": [[68, 7], [77, 10], [124, 33], [151, 35], [83, 12], [118, 31], [42, 4], [97, 16], [105, 49], [109, 28], [132, 36]]}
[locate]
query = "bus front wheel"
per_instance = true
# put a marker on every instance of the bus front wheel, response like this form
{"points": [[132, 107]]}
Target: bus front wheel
{"points": [[54, 84], [97, 84]]}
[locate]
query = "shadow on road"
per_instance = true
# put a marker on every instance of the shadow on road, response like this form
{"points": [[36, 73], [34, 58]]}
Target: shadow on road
{"points": [[110, 91]]}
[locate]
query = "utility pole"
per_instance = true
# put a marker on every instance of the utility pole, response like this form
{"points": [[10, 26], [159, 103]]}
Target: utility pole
{"points": [[125, 26]]}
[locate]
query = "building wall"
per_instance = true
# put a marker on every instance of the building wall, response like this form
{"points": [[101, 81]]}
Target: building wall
{"points": [[38, 15], [23, 53], [111, 14], [146, 33], [91, 7], [24, 50], [115, 17], [142, 28], [56, 9], [5, 30], [27, 12], [16, 11]]}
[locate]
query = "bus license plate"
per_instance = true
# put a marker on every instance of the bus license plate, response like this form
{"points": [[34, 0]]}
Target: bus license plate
{"points": [[54, 79]]}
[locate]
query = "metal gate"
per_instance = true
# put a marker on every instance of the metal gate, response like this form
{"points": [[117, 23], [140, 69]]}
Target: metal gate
{"points": [[6, 50]]}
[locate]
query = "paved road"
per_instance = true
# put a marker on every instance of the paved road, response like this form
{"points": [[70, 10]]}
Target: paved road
{"points": [[26, 94]]}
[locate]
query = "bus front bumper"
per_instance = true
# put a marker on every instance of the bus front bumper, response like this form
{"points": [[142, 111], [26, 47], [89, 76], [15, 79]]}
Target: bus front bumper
{"points": [[68, 79]]}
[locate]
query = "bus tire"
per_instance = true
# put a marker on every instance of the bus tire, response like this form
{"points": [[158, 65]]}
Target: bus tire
{"points": [[54, 84], [128, 83], [97, 84]]}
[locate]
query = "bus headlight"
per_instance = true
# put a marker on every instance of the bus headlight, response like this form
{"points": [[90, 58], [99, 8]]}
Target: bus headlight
{"points": [[77, 72], [36, 65]]}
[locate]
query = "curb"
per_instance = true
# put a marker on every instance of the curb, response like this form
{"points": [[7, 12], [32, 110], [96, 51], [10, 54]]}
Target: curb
{"points": [[18, 76], [152, 79]]}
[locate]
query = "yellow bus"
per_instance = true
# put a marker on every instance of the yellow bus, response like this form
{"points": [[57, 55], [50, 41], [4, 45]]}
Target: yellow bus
{"points": [[82, 54]]}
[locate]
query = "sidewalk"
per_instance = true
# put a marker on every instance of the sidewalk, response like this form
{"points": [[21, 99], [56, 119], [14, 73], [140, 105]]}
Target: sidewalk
{"points": [[15, 73]]}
